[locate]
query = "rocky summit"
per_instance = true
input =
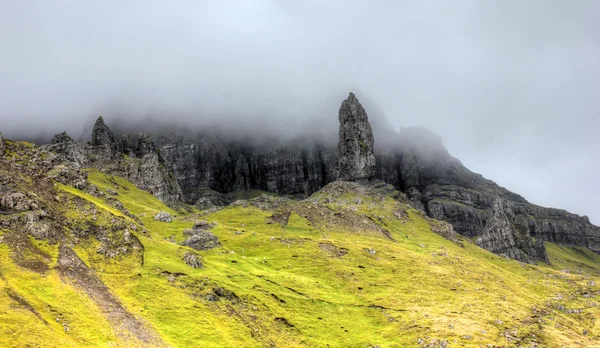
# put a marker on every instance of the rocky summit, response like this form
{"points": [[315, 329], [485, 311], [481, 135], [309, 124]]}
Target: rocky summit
{"points": [[195, 239]]}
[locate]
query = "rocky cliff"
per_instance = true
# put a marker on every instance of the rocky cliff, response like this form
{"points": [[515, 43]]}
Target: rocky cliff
{"points": [[139, 161], [413, 160], [203, 161], [205, 168]]}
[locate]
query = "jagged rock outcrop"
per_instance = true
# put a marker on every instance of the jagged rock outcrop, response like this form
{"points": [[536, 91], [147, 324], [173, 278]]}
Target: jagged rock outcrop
{"points": [[139, 161], [150, 174], [104, 149], [71, 151], [355, 158], [102, 135], [193, 260], [504, 221], [17, 201]]}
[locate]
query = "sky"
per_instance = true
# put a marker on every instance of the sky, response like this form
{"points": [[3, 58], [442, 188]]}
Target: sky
{"points": [[511, 86]]}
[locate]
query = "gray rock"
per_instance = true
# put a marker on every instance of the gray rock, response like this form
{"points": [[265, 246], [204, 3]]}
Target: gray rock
{"points": [[102, 135], [500, 237], [193, 260], [2, 145], [149, 174], [104, 151], [17, 201], [202, 161], [210, 199], [212, 298], [356, 157], [203, 225], [202, 240], [145, 145], [127, 145], [163, 216], [68, 150]]}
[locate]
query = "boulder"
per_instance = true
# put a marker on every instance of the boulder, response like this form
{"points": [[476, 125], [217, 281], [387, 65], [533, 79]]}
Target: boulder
{"points": [[163, 216], [202, 240], [193, 260]]}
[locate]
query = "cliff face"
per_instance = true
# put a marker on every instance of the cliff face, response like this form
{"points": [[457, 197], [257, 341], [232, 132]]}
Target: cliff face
{"points": [[414, 161], [201, 167], [502, 221], [201, 161]]}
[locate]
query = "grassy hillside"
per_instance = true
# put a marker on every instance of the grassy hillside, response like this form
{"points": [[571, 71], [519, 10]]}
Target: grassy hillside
{"points": [[350, 266]]}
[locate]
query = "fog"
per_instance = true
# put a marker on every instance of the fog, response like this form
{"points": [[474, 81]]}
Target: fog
{"points": [[510, 85]]}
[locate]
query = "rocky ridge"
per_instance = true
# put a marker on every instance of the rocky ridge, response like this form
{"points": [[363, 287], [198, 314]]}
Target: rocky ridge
{"points": [[413, 160], [203, 169], [136, 158]]}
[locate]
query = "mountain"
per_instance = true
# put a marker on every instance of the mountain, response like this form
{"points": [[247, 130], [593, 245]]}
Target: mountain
{"points": [[413, 160], [196, 239]]}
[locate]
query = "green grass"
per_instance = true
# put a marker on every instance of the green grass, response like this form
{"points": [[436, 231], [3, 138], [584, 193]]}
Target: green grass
{"points": [[291, 289]]}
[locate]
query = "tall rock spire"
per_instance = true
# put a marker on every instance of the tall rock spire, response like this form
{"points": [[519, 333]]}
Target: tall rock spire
{"points": [[102, 135], [356, 157], [105, 148]]}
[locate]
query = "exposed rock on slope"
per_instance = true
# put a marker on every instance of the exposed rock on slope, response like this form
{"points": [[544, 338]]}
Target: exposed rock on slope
{"points": [[143, 164], [501, 238], [448, 191], [356, 159], [74, 153]]}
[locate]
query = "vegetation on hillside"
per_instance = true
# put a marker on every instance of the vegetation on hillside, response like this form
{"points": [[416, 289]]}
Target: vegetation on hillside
{"points": [[351, 266]]}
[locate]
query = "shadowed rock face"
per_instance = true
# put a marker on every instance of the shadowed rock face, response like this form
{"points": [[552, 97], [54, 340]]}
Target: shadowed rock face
{"points": [[202, 161], [355, 157]]}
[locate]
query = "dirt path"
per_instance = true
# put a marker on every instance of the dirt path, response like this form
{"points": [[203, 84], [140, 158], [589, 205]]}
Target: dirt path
{"points": [[126, 326]]}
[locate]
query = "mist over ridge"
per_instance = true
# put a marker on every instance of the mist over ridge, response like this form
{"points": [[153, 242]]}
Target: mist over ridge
{"points": [[509, 86]]}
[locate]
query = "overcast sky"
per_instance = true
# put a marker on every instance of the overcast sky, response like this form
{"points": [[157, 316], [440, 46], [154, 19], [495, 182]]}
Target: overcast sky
{"points": [[512, 86]]}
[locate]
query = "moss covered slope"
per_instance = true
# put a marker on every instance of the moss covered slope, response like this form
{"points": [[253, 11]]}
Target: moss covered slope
{"points": [[351, 266]]}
